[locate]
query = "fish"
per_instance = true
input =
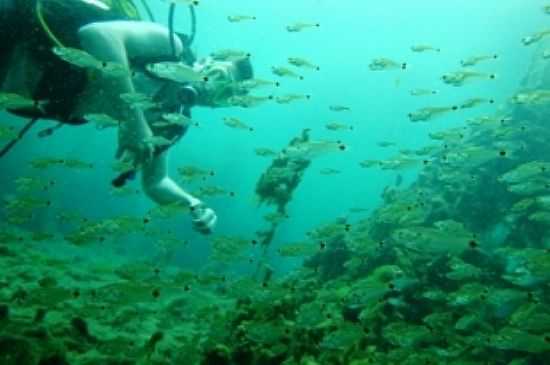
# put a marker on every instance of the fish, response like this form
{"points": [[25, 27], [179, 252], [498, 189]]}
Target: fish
{"points": [[114, 69], [29, 184], [302, 62], [275, 218], [252, 84], [192, 172], [428, 239], [426, 114], [370, 163], [240, 18], [77, 164], [385, 144], [382, 64], [474, 60], [329, 171], [46, 162], [458, 78], [102, 121], [398, 180], [299, 26], [247, 101], [7, 133], [420, 48], [297, 250], [138, 101], [122, 166], [174, 119], [312, 149], [288, 98], [229, 55], [176, 71], [422, 92], [237, 124], [285, 72], [77, 57], [124, 191], [334, 126], [186, 2], [211, 191], [400, 163], [526, 171], [83, 59], [264, 152], [15, 101], [473, 102], [535, 97], [339, 108], [158, 141], [535, 37]]}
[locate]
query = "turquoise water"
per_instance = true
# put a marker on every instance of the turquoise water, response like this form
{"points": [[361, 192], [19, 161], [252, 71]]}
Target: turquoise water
{"points": [[351, 35]]}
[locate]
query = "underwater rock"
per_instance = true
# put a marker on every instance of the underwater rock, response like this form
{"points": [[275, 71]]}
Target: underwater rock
{"points": [[219, 355], [407, 335], [16, 351], [81, 327], [4, 312], [513, 339], [54, 360]]}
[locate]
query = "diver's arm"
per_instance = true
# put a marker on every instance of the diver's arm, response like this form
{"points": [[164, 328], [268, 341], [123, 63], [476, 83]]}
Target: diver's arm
{"points": [[163, 190], [119, 41], [160, 187]]}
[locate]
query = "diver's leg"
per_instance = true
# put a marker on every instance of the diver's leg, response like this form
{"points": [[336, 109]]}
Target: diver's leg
{"points": [[108, 46]]}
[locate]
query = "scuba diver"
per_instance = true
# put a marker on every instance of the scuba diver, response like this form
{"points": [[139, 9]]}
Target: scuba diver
{"points": [[112, 31]]}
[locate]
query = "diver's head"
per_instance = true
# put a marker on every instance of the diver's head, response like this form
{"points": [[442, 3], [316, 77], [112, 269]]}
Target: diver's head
{"points": [[223, 79]]}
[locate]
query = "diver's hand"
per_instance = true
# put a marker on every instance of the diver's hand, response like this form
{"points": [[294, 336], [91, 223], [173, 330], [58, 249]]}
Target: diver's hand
{"points": [[204, 218]]}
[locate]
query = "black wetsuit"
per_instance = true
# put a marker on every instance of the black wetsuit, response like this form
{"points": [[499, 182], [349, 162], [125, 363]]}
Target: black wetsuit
{"points": [[61, 82], [8, 32]]}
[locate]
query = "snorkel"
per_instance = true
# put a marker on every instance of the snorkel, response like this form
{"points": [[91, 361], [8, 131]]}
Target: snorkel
{"points": [[171, 14]]}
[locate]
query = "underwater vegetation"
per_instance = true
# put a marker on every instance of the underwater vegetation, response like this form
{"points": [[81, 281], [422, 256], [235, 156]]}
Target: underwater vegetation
{"points": [[451, 268]]}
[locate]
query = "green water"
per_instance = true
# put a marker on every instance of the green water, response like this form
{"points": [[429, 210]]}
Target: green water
{"points": [[435, 257]]}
